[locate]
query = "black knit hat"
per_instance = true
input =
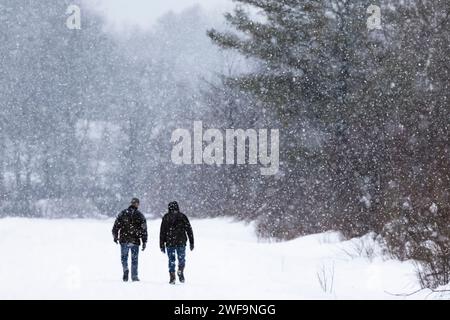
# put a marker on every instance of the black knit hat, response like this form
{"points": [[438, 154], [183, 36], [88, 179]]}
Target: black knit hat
{"points": [[135, 201], [173, 206]]}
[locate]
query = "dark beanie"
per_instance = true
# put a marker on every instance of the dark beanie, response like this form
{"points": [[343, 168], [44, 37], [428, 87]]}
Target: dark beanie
{"points": [[173, 206]]}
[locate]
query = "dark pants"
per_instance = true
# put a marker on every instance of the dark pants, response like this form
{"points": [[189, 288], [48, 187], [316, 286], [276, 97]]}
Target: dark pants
{"points": [[172, 253], [125, 248]]}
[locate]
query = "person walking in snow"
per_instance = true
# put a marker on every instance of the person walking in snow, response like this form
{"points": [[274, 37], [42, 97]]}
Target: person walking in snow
{"points": [[130, 228], [175, 229]]}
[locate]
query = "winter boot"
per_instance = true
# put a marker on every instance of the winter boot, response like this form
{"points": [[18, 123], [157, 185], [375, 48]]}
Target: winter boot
{"points": [[125, 276], [181, 274], [172, 278]]}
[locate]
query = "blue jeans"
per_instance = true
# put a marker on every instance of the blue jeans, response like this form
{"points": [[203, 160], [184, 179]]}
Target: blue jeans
{"points": [[125, 248], [181, 253]]}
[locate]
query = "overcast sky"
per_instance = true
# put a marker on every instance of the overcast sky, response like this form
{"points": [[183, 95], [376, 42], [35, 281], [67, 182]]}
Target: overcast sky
{"points": [[145, 12]]}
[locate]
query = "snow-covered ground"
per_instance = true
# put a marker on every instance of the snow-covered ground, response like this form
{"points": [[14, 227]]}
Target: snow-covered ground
{"points": [[77, 259]]}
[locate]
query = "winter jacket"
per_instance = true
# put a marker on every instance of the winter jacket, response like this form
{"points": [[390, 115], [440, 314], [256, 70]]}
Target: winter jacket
{"points": [[175, 227], [130, 227]]}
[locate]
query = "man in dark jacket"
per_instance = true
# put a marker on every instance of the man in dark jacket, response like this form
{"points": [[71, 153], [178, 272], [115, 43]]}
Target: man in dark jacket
{"points": [[175, 229], [129, 229]]}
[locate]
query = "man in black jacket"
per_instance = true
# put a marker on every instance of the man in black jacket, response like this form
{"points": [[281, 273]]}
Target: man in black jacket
{"points": [[174, 228], [129, 229]]}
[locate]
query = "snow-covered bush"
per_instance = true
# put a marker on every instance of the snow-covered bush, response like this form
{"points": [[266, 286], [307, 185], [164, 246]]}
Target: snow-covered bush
{"points": [[423, 236]]}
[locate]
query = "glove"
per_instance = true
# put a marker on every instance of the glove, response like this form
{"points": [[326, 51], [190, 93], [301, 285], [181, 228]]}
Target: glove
{"points": [[116, 240], [192, 247], [163, 250], [144, 245]]}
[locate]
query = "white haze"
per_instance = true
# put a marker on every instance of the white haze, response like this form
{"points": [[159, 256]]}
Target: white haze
{"points": [[145, 13]]}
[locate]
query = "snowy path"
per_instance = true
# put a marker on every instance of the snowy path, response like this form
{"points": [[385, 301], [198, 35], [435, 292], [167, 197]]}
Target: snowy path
{"points": [[77, 259]]}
